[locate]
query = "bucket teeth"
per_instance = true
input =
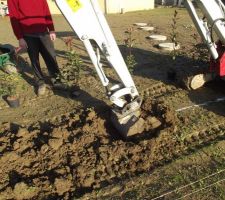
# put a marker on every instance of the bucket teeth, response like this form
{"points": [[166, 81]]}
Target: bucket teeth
{"points": [[129, 125]]}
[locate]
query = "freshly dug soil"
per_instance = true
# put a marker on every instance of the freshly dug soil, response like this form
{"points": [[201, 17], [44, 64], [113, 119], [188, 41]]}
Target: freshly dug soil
{"points": [[78, 153], [81, 151]]}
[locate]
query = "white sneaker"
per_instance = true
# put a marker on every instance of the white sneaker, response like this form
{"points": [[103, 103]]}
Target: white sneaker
{"points": [[41, 90]]}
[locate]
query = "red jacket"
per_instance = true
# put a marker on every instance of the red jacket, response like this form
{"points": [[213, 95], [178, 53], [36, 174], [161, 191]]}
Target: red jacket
{"points": [[29, 17]]}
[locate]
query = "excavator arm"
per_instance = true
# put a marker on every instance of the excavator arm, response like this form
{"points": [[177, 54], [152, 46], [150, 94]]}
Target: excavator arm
{"points": [[88, 22]]}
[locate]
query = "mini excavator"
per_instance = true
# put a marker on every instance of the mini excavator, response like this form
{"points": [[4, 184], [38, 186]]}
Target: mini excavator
{"points": [[88, 22]]}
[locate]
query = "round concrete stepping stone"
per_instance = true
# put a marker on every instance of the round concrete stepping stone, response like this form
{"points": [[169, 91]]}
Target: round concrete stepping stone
{"points": [[140, 24], [157, 37], [169, 46], [147, 28]]}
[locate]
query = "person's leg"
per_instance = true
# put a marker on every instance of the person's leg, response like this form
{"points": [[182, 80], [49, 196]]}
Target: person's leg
{"points": [[33, 44], [47, 51]]}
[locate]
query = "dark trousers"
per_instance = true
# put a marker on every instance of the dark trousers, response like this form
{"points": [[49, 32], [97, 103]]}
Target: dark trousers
{"points": [[42, 44]]}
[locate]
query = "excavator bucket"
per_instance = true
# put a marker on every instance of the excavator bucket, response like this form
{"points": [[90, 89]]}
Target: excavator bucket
{"points": [[128, 120], [129, 125]]}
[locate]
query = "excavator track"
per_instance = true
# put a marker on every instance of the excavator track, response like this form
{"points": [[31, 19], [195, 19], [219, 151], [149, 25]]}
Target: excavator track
{"points": [[159, 88], [214, 133]]}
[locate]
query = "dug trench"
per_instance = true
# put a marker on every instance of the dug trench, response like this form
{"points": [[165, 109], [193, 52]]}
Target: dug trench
{"points": [[80, 152]]}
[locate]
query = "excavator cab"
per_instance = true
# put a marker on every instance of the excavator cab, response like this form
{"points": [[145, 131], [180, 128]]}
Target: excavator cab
{"points": [[211, 28]]}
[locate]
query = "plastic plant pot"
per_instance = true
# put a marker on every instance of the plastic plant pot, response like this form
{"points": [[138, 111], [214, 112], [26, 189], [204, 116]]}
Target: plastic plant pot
{"points": [[13, 101]]}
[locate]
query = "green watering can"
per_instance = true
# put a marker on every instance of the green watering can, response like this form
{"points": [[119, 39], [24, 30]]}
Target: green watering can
{"points": [[6, 54]]}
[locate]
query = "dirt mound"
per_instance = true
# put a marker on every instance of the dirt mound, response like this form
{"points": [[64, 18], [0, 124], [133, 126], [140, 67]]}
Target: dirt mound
{"points": [[77, 153], [81, 151]]}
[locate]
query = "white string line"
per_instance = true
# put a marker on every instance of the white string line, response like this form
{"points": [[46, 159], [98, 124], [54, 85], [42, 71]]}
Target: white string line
{"points": [[201, 104], [192, 183], [195, 191]]}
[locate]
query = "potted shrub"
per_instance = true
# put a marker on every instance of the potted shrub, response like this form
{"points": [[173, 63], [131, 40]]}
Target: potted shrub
{"points": [[8, 88], [70, 73], [12, 98]]}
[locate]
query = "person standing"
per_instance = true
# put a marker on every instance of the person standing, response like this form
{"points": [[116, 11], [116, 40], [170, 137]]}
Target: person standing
{"points": [[33, 26]]}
